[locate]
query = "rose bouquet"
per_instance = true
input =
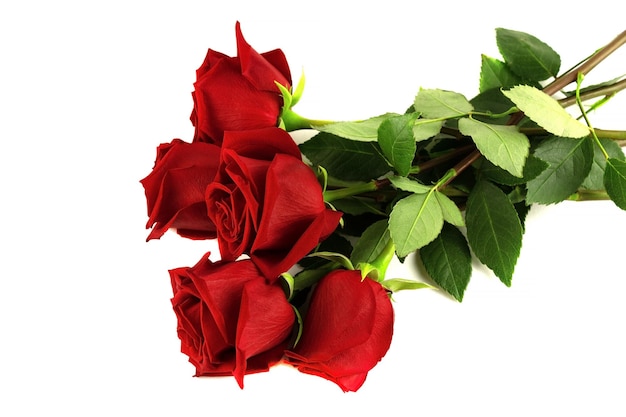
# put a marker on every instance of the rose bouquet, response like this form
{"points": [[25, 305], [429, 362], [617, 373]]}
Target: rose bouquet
{"points": [[306, 230]]}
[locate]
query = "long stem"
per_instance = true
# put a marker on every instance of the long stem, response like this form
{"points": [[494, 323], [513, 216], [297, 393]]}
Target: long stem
{"points": [[584, 113], [431, 163], [589, 195], [461, 166], [586, 66], [596, 92], [618, 136], [292, 121], [331, 195]]}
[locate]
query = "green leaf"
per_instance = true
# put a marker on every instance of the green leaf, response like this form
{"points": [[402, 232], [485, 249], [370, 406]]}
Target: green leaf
{"points": [[434, 104], [448, 261], [345, 159], [395, 137], [546, 112], [595, 179], [362, 130], [505, 146], [615, 181], [496, 74], [399, 284], [527, 56], [412, 186], [494, 230], [426, 128], [532, 168], [451, 212], [414, 222], [371, 243], [569, 162]]}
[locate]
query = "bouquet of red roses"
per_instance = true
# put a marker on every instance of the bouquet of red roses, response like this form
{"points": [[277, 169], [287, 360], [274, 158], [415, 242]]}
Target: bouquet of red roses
{"points": [[306, 231]]}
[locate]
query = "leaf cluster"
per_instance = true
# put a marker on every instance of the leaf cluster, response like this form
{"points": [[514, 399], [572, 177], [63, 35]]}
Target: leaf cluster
{"points": [[453, 178]]}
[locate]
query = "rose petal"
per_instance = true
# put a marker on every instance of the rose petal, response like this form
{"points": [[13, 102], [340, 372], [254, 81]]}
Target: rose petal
{"points": [[220, 286], [289, 206], [273, 262], [228, 208], [262, 143], [256, 68], [211, 59], [277, 58], [294, 219], [200, 339], [179, 204], [266, 320], [177, 155], [341, 316], [180, 176]]}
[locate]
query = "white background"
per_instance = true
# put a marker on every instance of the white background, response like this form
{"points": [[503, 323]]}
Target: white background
{"points": [[89, 89]]}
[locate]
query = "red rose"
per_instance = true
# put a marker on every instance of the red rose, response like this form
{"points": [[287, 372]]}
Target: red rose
{"points": [[230, 320], [266, 202], [176, 186], [347, 329], [238, 93]]}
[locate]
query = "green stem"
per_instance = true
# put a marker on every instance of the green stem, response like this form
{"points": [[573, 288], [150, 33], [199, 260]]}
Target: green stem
{"points": [[431, 163], [616, 135], [447, 177], [293, 121], [589, 195], [383, 260], [571, 76], [603, 91], [579, 81], [460, 167], [361, 188], [509, 112]]}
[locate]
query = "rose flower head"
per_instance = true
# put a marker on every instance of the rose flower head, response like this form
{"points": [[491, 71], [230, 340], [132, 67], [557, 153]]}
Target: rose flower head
{"points": [[230, 320], [238, 93], [176, 186], [266, 202], [347, 329]]}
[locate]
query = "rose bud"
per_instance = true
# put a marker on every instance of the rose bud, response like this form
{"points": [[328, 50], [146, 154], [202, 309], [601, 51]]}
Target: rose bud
{"points": [[238, 93], [347, 329]]}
